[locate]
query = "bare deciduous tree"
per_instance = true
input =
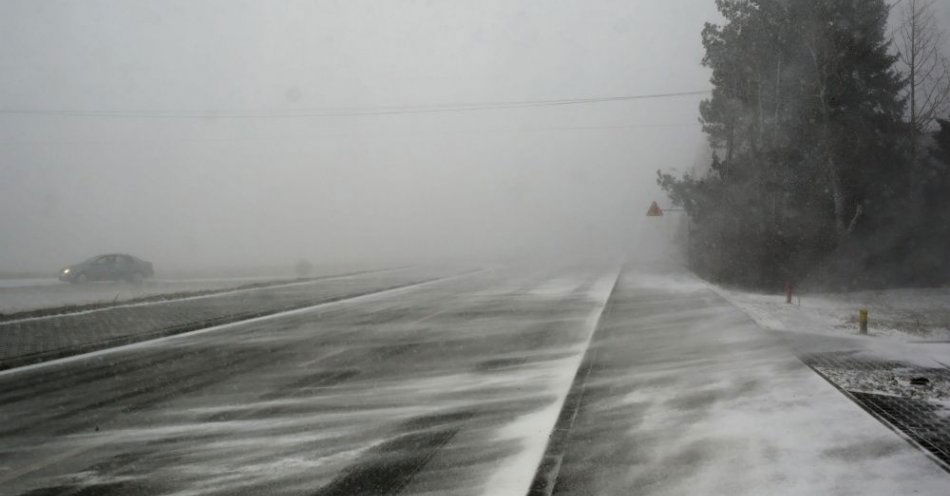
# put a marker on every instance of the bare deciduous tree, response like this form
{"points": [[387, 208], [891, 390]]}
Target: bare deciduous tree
{"points": [[927, 68]]}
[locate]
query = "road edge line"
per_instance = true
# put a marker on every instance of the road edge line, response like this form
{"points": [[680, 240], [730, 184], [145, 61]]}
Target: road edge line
{"points": [[549, 467]]}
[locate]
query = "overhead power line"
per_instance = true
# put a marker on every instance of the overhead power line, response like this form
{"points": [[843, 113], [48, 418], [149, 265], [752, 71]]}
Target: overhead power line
{"points": [[285, 138], [342, 112]]}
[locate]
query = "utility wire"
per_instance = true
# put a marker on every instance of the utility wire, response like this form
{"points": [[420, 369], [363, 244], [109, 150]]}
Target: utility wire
{"points": [[343, 112], [285, 138]]}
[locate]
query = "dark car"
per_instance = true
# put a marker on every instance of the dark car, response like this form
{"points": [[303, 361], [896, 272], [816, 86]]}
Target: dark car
{"points": [[112, 267]]}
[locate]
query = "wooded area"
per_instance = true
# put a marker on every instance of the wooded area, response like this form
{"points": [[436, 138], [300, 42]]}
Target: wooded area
{"points": [[830, 165]]}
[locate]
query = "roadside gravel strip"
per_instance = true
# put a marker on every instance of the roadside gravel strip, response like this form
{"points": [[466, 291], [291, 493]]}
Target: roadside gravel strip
{"points": [[31, 341]]}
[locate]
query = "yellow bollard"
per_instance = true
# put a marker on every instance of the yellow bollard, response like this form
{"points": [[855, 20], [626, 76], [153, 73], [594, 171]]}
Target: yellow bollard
{"points": [[863, 320]]}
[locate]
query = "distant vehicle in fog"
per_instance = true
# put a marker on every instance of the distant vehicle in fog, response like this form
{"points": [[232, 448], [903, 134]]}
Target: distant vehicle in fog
{"points": [[112, 267]]}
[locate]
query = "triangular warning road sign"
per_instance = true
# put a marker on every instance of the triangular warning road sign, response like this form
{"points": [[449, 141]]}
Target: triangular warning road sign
{"points": [[654, 210]]}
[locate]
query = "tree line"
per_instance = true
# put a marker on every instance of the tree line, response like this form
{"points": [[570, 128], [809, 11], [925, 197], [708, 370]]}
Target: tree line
{"points": [[831, 162]]}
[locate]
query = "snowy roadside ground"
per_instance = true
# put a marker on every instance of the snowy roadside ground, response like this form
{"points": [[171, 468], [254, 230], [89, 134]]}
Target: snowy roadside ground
{"points": [[905, 314], [906, 325], [899, 371]]}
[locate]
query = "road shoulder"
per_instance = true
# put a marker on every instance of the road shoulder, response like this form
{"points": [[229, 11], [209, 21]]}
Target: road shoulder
{"points": [[688, 395]]}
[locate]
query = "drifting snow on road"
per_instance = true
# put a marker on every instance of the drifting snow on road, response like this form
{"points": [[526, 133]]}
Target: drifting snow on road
{"points": [[451, 388], [459, 385], [686, 395]]}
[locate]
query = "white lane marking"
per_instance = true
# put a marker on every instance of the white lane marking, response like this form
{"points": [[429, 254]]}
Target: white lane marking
{"points": [[100, 440], [532, 431], [273, 316], [196, 297]]}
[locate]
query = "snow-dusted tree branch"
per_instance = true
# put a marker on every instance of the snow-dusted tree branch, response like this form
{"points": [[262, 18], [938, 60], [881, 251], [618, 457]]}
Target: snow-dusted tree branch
{"points": [[920, 43]]}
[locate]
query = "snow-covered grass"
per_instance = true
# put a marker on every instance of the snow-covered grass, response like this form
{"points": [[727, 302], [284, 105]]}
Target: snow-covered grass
{"points": [[903, 314]]}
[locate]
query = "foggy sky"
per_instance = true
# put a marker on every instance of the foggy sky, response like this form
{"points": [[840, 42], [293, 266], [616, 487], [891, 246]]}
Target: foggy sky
{"points": [[192, 192]]}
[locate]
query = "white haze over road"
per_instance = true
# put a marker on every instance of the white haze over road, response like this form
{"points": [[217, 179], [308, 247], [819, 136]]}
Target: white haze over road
{"points": [[192, 192], [189, 192]]}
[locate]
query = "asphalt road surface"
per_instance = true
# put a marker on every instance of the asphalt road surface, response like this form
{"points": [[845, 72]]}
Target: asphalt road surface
{"points": [[682, 393], [19, 296], [449, 387], [497, 382], [54, 335]]}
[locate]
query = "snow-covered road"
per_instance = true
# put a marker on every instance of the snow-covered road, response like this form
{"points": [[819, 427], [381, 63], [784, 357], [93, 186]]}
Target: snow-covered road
{"points": [[38, 294], [454, 387], [450, 388], [687, 395]]}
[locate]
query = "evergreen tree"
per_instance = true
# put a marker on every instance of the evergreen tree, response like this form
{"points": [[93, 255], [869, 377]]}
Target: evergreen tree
{"points": [[805, 117]]}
